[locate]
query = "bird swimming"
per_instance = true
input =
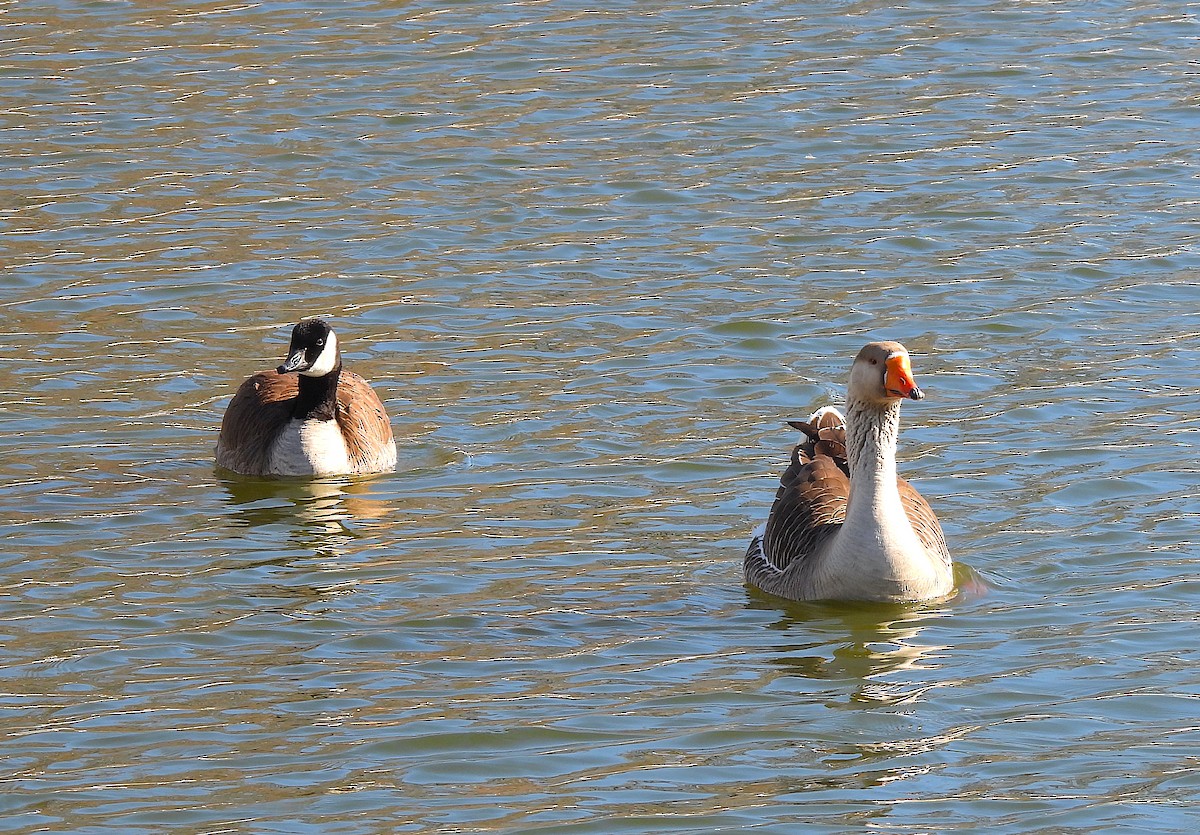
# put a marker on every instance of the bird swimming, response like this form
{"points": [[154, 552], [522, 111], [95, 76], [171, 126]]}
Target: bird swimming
{"points": [[844, 525], [308, 417]]}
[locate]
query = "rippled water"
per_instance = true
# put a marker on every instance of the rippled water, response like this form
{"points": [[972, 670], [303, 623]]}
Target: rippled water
{"points": [[592, 261]]}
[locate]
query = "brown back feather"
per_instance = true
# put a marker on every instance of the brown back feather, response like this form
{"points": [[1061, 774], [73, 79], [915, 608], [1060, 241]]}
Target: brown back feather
{"points": [[363, 421], [259, 409], [810, 504], [923, 520]]}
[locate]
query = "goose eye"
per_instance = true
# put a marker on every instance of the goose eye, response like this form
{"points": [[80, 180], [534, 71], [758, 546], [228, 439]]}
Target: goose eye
{"points": [[321, 342], [874, 362]]}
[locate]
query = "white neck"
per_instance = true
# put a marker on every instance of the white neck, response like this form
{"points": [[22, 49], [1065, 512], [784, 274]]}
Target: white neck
{"points": [[876, 553], [871, 436]]}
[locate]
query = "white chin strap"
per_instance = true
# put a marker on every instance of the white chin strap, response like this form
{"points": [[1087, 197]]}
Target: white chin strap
{"points": [[326, 361]]}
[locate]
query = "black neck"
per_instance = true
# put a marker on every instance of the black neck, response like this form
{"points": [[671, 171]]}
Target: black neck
{"points": [[317, 398]]}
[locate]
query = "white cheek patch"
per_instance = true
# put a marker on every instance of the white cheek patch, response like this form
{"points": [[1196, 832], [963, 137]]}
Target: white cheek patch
{"points": [[327, 359]]}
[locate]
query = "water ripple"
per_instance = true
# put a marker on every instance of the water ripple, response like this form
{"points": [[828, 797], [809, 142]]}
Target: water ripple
{"points": [[593, 259]]}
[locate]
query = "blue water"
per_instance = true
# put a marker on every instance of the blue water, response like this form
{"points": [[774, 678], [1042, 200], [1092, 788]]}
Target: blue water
{"points": [[593, 260]]}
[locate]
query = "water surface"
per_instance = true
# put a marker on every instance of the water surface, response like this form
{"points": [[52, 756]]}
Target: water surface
{"points": [[592, 260]]}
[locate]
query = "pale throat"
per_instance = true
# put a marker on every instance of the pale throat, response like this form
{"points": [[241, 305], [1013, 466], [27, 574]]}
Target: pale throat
{"points": [[871, 436]]}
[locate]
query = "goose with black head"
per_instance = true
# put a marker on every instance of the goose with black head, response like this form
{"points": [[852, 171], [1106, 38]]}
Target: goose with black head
{"points": [[308, 417]]}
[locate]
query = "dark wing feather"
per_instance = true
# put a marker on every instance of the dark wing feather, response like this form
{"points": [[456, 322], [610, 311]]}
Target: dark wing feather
{"points": [[810, 504], [809, 507], [365, 425], [259, 409], [826, 439]]}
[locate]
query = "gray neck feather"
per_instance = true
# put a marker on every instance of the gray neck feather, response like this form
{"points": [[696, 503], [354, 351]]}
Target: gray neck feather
{"points": [[871, 435], [874, 508]]}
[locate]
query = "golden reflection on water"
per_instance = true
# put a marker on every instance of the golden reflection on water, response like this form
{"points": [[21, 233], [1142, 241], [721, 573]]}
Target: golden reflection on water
{"points": [[850, 642], [317, 510], [593, 260]]}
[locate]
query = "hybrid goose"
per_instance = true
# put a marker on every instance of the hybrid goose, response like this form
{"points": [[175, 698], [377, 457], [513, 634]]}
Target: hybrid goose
{"points": [[308, 417], [844, 526]]}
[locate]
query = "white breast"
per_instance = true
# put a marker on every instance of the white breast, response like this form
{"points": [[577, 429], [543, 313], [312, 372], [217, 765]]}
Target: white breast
{"points": [[309, 447]]}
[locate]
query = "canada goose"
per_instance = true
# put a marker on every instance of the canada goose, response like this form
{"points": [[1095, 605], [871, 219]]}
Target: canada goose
{"points": [[844, 526], [309, 417]]}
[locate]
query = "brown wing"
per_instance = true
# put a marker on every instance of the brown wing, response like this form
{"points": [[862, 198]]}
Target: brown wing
{"points": [[365, 425], [809, 508], [924, 523], [810, 504], [826, 438], [259, 409]]}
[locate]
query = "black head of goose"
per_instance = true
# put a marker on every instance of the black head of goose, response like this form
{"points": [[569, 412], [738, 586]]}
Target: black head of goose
{"points": [[844, 525], [308, 417]]}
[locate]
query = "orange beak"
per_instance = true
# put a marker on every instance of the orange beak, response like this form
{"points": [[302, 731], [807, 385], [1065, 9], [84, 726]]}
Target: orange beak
{"points": [[898, 381]]}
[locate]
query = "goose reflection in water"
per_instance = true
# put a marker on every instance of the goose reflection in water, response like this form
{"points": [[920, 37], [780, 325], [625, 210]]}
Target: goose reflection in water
{"points": [[321, 513], [870, 644]]}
